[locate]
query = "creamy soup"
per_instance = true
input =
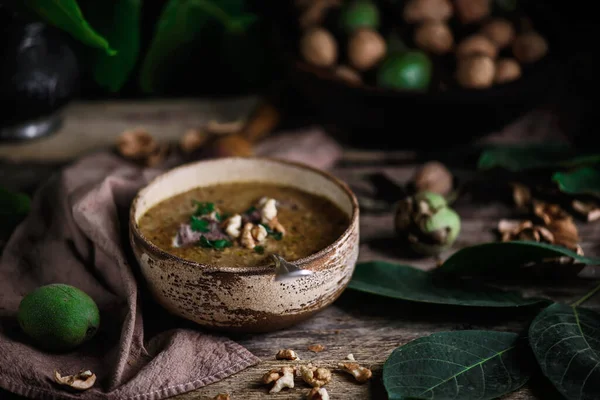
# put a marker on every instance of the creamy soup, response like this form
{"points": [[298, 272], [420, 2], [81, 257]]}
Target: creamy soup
{"points": [[240, 224]]}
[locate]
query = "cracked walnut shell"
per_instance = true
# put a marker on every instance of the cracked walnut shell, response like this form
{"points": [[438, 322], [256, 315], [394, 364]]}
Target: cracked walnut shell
{"points": [[80, 381]]}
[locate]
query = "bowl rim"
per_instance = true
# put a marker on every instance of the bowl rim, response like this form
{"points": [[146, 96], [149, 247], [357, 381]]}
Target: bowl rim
{"points": [[256, 270]]}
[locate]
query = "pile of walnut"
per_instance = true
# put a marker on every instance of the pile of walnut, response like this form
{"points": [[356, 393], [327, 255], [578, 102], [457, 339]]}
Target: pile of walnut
{"points": [[249, 234], [547, 223], [316, 377], [494, 54]]}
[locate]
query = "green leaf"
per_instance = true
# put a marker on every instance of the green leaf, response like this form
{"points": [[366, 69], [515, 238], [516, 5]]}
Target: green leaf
{"points": [[580, 181], [566, 343], [203, 208], [221, 244], [259, 249], [465, 365], [199, 225], [520, 158], [272, 233], [119, 22], [411, 284], [66, 15], [498, 258], [204, 242], [180, 24], [13, 208], [250, 210]]}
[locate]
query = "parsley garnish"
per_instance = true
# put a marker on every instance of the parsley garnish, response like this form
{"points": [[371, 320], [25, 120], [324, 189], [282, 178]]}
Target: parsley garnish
{"points": [[271, 232], [259, 249], [204, 208], [250, 210], [218, 244], [198, 224]]}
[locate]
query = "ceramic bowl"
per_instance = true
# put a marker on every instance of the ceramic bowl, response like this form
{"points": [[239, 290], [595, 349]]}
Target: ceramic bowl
{"points": [[238, 298]]}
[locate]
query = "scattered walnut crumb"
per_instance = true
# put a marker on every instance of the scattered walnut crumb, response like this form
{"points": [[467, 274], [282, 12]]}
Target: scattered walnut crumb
{"points": [[521, 195], [283, 378], [222, 396], [80, 381], [318, 393], [350, 357], [286, 354], [317, 348], [314, 376], [590, 210], [361, 374]]}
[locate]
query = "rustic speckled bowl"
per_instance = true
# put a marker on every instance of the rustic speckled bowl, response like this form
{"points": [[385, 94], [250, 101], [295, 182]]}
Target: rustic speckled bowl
{"points": [[238, 298]]}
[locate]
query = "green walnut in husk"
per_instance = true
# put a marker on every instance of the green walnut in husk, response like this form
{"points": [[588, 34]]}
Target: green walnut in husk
{"points": [[410, 70], [359, 14], [427, 223]]}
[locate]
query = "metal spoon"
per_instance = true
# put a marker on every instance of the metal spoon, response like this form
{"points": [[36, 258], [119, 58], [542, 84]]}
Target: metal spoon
{"points": [[285, 270]]}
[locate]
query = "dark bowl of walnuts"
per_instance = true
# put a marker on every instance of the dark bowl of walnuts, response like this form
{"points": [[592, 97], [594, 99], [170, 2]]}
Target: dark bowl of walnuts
{"points": [[416, 73]]}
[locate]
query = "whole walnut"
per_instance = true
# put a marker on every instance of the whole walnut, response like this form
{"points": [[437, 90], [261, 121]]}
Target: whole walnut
{"points": [[319, 47], [499, 31], [433, 177], [507, 70], [435, 37], [471, 11], [476, 45], [366, 48], [530, 47], [427, 10], [476, 72]]}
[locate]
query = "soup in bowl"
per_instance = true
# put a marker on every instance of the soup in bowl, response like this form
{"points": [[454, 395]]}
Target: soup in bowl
{"points": [[204, 233]]}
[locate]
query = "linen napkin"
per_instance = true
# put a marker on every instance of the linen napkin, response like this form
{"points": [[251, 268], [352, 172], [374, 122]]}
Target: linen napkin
{"points": [[77, 233]]}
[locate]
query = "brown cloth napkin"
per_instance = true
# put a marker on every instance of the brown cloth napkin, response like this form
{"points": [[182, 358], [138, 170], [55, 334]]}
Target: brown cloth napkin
{"points": [[77, 234]]}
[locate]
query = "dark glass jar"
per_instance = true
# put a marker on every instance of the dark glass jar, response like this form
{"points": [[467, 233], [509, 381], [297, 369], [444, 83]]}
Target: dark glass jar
{"points": [[38, 76]]}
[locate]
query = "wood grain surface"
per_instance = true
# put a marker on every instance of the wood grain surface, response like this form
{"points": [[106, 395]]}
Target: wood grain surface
{"points": [[364, 325]]}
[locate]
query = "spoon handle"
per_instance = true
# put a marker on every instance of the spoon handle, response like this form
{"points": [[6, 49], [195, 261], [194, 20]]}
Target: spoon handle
{"points": [[285, 270]]}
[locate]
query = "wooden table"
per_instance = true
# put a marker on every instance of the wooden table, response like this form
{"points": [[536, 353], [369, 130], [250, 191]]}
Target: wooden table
{"points": [[366, 326]]}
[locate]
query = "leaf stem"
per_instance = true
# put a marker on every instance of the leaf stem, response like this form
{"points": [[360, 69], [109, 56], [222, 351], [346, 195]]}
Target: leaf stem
{"points": [[586, 297]]}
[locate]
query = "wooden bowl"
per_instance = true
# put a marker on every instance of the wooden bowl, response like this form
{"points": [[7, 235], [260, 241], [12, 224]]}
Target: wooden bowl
{"points": [[245, 299]]}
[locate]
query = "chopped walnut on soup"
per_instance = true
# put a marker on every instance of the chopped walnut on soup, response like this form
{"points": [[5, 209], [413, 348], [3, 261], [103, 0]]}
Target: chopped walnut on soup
{"points": [[240, 224]]}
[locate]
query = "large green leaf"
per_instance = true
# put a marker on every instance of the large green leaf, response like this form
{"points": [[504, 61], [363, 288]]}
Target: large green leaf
{"points": [[66, 15], [180, 25], [520, 158], [566, 343], [408, 283], [499, 258], [119, 22], [465, 365], [580, 181]]}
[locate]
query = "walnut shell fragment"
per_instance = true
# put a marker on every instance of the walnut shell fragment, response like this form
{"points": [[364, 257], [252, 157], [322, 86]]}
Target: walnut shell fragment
{"points": [[590, 210], [318, 393], [315, 377], [80, 381], [361, 374], [286, 354]]}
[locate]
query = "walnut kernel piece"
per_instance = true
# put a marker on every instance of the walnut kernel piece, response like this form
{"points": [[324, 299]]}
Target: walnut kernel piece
{"points": [[316, 348], [350, 357], [524, 230], [268, 209], [80, 381], [222, 396], [283, 378], [590, 210], [192, 140], [247, 240], [259, 233], [136, 144], [433, 177], [314, 376], [276, 226], [470, 11], [427, 10], [318, 393], [286, 354], [361, 374]]}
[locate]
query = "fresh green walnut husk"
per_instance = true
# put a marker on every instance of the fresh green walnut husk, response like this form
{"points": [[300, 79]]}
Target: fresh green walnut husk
{"points": [[357, 14], [409, 70], [427, 224]]}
